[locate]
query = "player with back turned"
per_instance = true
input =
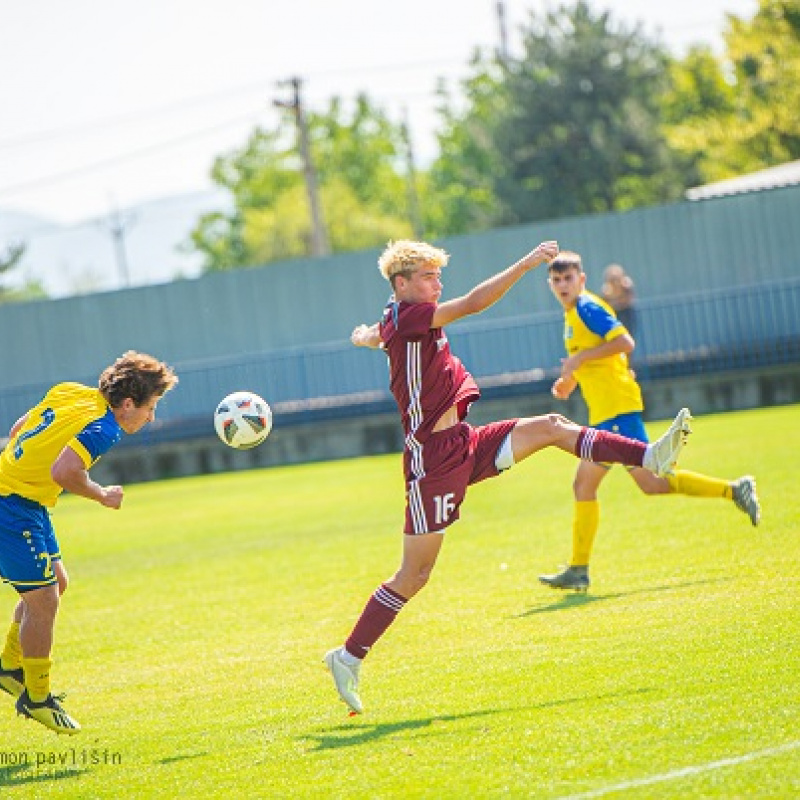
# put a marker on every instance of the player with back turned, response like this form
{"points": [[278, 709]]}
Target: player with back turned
{"points": [[443, 454]]}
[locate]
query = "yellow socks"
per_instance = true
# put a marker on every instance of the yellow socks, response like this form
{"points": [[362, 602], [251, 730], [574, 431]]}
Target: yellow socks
{"points": [[11, 657], [584, 529], [696, 485], [37, 677]]}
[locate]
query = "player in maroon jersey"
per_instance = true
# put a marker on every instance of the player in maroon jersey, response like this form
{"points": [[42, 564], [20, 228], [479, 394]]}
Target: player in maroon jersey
{"points": [[444, 454]]}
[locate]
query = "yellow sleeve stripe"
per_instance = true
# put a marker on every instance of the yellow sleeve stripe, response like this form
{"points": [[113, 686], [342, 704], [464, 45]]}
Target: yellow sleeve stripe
{"points": [[83, 453], [615, 333]]}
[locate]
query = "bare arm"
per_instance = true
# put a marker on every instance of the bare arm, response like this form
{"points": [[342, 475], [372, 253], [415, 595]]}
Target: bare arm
{"points": [[17, 425], [366, 336], [622, 344], [491, 290], [68, 471]]}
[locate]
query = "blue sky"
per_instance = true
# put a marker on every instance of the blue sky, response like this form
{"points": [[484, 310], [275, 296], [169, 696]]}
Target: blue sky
{"points": [[120, 102]]}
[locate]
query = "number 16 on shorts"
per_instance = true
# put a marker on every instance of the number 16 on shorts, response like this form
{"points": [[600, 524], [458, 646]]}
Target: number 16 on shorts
{"points": [[444, 505]]}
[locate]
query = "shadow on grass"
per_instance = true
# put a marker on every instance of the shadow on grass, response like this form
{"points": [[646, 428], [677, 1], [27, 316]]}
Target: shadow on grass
{"points": [[186, 757], [576, 600], [357, 733], [22, 774]]}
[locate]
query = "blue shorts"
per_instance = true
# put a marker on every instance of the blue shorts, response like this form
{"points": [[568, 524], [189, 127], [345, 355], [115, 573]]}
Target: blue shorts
{"points": [[28, 544], [630, 425]]}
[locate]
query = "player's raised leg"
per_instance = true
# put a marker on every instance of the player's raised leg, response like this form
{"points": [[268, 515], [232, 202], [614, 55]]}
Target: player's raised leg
{"points": [[532, 434]]}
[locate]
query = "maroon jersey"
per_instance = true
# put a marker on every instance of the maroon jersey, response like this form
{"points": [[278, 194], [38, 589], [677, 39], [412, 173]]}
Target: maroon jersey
{"points": [[426, 379]]}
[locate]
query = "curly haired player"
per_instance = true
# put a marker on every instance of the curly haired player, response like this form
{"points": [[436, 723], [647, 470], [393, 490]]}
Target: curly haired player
{"points": [[51, 448]]}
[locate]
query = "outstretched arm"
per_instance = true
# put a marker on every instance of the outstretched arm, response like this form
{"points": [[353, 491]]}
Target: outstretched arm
{"points": [[366, 336], [491, 290]]}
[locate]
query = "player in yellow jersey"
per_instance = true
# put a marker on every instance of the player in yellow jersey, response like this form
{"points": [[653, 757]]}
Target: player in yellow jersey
{"points": [[598, 346], [51, 448]]}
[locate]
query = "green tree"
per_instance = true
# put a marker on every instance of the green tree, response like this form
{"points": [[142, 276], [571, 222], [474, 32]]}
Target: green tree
{"points": [[460, 182], [571, 126], [362, 189], [30, 290], [583, 133], [739, 113]]}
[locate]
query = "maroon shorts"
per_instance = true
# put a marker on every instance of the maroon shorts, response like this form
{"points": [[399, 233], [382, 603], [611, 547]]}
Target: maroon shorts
{"points": [[438, 472]]}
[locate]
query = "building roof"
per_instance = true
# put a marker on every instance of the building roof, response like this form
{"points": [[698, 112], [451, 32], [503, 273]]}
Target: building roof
{"points": [[771, 178]]}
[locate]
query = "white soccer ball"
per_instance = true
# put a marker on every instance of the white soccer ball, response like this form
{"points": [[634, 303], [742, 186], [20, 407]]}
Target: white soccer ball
{"points": [[243, 420]]}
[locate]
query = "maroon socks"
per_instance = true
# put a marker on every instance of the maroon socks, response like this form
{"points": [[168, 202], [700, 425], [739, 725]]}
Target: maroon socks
{"points": [[377, 616]]}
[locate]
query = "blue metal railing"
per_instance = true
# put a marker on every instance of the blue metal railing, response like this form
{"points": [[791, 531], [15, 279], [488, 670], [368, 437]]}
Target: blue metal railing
{"points": [[686, 334]]}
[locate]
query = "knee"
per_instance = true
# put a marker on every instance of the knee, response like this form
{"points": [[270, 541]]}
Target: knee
{"points": [[419, 580], [553, 426], [557, 422], [407, 582], [41, 604]]}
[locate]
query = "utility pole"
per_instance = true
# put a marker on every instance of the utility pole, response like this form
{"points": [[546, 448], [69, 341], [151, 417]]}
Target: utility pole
{"points": [[319, 235], [117, 225], [411, 180], [501, 21]]}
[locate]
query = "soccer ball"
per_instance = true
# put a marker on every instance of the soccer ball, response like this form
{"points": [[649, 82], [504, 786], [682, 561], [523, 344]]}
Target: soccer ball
{"points": [[243, 420]]}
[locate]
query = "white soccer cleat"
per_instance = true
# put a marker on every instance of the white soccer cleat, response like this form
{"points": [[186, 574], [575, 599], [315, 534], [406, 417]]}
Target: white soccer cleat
{"points": [[345, 676], [662, 455]]}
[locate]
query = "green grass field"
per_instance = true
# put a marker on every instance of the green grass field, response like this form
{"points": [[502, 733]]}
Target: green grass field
{"points": [[190, 641]]}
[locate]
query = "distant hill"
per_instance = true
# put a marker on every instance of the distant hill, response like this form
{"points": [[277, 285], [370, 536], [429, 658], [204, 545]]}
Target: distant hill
{"points": [[81, 258]]}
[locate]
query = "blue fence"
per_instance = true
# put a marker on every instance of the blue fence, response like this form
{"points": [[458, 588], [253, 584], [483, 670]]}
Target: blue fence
{"points": [[686, 334]]}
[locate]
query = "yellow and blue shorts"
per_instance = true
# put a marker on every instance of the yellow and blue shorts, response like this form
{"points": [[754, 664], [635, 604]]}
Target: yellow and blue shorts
{"points": [[28, 544]]}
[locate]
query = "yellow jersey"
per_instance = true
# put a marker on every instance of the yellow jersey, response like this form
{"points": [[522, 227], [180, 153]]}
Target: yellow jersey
{"points": [[70, 415], [607, 384]]}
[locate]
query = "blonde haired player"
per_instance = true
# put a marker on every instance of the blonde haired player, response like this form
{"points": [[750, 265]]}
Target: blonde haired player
{"points": [[598, 345], [443, 454], [51, 448]]}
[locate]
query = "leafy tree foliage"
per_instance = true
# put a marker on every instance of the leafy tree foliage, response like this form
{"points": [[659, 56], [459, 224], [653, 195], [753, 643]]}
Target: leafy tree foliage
{"points": [[588, 117], [461, 180], [572, 126], [30, 290], [739, 114], [583, 135], [362, 190]]}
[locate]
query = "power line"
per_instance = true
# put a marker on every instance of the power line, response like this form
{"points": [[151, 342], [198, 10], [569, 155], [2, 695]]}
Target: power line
{"points": [[129, 156], [37, 137]]}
